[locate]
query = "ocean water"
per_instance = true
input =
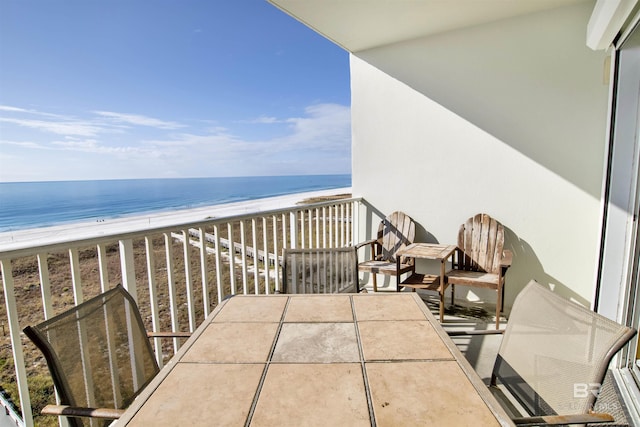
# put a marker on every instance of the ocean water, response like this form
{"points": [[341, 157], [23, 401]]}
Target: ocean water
{"points": [[26, 205]]}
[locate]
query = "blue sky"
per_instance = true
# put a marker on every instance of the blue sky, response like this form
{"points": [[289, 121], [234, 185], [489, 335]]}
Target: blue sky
{"points": [[167, 88]]}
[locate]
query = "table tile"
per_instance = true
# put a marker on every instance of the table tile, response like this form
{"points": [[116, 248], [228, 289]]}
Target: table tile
{"points": [[259, 308], [312, 395], [210, 387], [317, 343], [386, 307], [401, 340], [422, 394], [233, 343], [330, 308]]}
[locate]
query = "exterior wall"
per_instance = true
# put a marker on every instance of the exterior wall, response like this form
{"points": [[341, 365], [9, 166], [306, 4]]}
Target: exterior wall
{"points": [[507, 118]]}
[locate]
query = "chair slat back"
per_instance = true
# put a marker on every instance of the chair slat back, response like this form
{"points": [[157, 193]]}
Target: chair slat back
{"points": [[320, 271], [481, 238], [98, 352], [394, 233], [554, 352]]}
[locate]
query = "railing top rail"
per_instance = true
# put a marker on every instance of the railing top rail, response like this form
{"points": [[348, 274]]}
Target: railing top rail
{"points": [[98, 235]]}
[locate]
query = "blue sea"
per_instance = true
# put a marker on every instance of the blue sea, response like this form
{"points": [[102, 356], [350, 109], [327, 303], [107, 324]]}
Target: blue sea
{"points": [[25, 205]]}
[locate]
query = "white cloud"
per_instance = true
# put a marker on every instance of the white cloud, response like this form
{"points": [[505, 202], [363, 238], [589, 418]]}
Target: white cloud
{"points": [[265, 120], [77, 128], [85, 145], [25, 144], [318, 142], [91, 126], [137, 146], [139, 120], [96, 147], [13, 109], [325, 126]]}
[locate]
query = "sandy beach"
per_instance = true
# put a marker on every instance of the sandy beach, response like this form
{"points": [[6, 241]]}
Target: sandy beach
{"points": [[13, 240]]}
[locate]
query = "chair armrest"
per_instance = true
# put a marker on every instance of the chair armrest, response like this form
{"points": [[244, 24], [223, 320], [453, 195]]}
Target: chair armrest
{"points": [[564, 419], [368, 242], [468, 333], [456, 258], [507, 258], [76, 411], [168, 334]]}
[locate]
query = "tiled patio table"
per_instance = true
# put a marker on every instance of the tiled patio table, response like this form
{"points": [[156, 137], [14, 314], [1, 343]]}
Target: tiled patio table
{"points": [[318, 360]]}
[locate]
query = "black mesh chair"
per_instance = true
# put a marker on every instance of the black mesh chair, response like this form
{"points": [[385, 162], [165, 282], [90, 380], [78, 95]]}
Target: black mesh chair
{"points": [[99, 356], [320, 271]]}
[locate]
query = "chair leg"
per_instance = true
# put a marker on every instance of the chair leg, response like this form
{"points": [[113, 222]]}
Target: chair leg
{"points": [[375, 282], [498, 306], [453, 295]]}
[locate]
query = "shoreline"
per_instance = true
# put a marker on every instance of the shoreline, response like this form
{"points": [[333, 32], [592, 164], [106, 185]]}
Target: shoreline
{"points": [[12, 240]]}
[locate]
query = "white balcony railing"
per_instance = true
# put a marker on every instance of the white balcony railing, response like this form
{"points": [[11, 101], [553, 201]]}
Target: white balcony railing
{"points": [[177, 273]]}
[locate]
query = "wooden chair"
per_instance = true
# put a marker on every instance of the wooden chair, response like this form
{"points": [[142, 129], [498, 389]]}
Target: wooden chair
{"points": [[480, 259], [394, 233], [99, 356], [553, 358], [320, 271]]}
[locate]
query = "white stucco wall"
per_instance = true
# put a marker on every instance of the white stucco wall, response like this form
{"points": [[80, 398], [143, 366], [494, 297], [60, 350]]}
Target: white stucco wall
{"points": [[507, 118]]}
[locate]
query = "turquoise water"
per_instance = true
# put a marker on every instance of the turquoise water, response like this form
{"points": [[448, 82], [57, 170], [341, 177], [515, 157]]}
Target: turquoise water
{"points": [[39, 204]]}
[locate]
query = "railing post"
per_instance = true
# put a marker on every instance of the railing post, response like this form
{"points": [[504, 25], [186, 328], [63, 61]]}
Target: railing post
{"points": [[205, 272], [232, 258], [284, 231], [317, 214], [188, 279], [103, 267], [342, 225], [276, 263], [43, 269], [16, 342], [243, 257], [254, 242], [76, 282], [324, 226], [293, 229], [310, 219], [337, 226], [355, 223], [171, 283], [216, 247], [45, 286], [330, 219], [302, 224], [266, 255], [127, 266], [153, 297]]}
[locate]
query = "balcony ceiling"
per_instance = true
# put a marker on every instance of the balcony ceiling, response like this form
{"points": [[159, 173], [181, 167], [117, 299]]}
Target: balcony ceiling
{"points": [[358, 25]]}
